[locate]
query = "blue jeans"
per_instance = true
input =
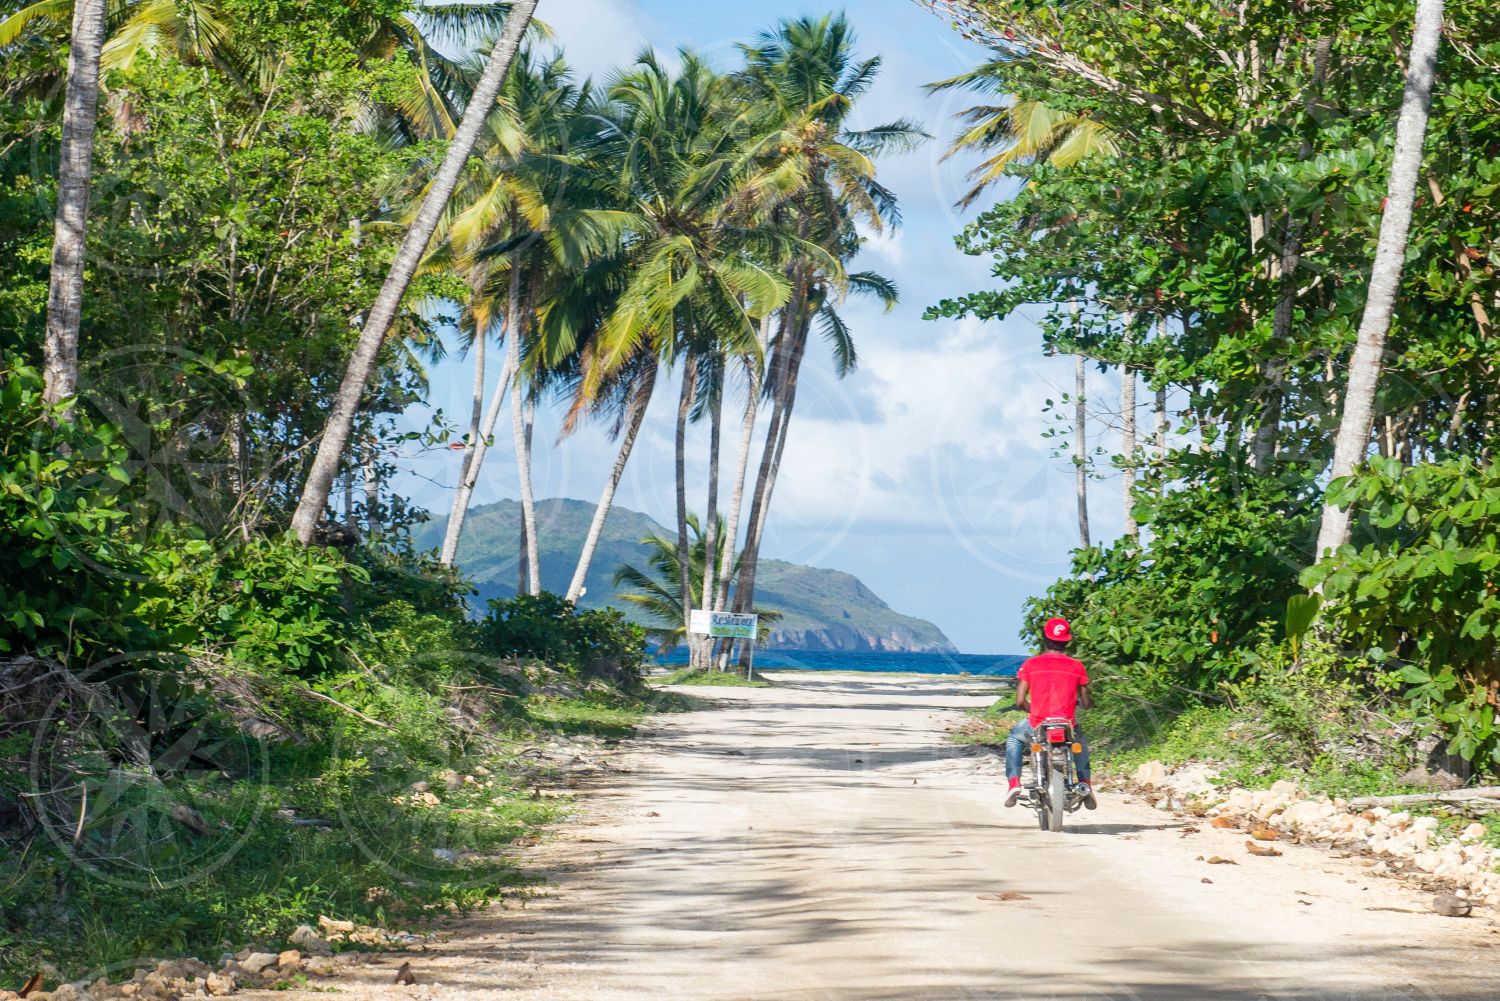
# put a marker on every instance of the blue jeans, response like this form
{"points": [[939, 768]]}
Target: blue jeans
{"points": [[1018, 745]]}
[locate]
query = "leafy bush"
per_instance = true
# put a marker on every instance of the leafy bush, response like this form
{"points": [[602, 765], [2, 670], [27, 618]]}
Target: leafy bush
{"points": [[271, 603], [1173, 618], [592, 643], [1422, 595], [60, 551]]}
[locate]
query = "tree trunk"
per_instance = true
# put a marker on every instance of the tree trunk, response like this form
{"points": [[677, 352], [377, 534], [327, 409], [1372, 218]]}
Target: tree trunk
{"points": [[74, 178], [370, 474], [1353, 438], [476, 423], [737, 497], [531, 582], [1274, 371], [684, 572], [711, 523], [1127, 435], [486, 433], [1080, 448], [640, 399], [1162, 421], [784, 388], [413, 246]]}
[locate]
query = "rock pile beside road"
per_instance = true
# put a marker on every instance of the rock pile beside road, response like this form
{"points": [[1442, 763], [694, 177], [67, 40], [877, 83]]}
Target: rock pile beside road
{"points": [[1402, 841]]}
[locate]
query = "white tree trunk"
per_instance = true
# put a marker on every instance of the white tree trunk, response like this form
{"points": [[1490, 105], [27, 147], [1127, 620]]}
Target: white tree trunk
{"points": [[711, 526], [1162, 421], [476, 423], [737, 497], [684, 564], [74, 178], [1353, 439], [485, 433], [413, 246], [370, 475], [1127, 435], [639, 401], [1080, 448], [533, 579], [794, 340]]}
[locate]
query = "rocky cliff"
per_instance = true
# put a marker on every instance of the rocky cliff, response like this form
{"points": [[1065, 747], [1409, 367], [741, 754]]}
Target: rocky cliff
{"points": [[821, 609]]}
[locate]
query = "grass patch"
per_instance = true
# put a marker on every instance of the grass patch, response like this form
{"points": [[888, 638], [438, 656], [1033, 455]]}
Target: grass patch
{"points": [[714, 679], [393, 826]]}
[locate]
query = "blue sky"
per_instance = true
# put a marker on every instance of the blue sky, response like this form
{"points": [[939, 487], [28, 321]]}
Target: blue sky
{"points": [[925, 472]]}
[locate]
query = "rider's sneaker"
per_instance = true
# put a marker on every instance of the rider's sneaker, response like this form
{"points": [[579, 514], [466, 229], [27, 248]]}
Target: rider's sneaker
{"points": [[1013, 795], [1089, 800]]}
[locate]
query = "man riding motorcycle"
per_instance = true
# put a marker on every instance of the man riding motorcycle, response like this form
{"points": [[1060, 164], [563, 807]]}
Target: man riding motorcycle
{"points": [[1050, 685]]}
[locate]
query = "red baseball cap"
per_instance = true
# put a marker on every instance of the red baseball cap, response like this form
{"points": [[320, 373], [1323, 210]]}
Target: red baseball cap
{"points": [[1059, 630]]}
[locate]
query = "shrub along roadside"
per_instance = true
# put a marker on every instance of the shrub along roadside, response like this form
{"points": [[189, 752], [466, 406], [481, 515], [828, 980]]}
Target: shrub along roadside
{"points": [[390, 822], [291, 732]]}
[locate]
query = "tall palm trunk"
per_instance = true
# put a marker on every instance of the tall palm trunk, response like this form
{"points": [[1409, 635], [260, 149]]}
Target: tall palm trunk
{"points": [[711, 517], [531, 581], [684, 574], [476, 423], [640, 399], [481, 445], [747, 441], [1127, 435], [74, 177], [782, 378], [382, 314], [1081, 448], [1353, 439]]}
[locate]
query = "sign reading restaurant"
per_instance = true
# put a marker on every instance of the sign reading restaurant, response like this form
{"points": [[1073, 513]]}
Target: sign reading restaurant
{"points": [[725, 625]]}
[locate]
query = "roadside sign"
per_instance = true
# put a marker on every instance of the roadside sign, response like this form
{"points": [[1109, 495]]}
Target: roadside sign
{"points": [[724, 625]]}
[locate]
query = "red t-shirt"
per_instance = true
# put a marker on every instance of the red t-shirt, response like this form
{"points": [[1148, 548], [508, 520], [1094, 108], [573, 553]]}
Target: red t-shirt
{"points": [[1054, 679]]}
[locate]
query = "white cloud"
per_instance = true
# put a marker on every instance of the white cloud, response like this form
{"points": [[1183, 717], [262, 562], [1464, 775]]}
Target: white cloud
{"points": [[597, 35]]}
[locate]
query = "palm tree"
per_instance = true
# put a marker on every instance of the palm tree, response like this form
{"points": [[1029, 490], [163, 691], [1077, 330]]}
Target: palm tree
{"points": [[657, 588], [1353, 441], [205, 32], [408, 258], [703, 264], [1026, 131], [520, 214], [804, 78], [74, 177]]}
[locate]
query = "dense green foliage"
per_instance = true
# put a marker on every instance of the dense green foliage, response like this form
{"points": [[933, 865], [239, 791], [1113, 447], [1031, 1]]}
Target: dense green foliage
{"points": [[1200, 193], [590, 643]]}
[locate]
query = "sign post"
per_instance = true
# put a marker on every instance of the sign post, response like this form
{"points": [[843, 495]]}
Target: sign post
{"points": [[727, 625]]}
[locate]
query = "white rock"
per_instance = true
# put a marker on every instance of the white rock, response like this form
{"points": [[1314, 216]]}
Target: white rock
{"points": [[1425, 824], [1473, 832], [1151, 773], [258, 962]]}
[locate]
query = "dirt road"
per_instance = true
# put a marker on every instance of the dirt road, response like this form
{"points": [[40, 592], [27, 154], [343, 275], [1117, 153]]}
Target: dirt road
{"points": [[821, 839]]}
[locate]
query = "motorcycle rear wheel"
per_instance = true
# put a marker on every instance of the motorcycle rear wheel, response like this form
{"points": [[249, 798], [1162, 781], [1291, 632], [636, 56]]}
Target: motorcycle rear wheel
{"points": [[1057, 800]]}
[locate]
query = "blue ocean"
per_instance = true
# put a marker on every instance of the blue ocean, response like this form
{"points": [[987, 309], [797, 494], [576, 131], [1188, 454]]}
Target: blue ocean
{"points": [[998, 664]]}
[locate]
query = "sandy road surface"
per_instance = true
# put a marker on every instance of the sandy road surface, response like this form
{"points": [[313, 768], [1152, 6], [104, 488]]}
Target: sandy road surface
{"points": [[821, 839]]}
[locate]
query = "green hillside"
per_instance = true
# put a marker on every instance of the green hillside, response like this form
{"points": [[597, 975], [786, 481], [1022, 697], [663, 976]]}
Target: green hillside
{"points": [[822, 609]]}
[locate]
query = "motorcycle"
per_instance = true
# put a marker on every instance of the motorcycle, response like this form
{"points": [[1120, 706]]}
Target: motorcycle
{"points": [[1054, 790]]}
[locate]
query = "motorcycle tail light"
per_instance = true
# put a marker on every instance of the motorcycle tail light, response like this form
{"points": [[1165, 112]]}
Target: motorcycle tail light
{"points": [[1077, 747], [1056, 737]]}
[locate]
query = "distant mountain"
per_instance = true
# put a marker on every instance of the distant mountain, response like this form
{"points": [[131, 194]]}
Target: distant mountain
{"points": [[822, 609]]}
